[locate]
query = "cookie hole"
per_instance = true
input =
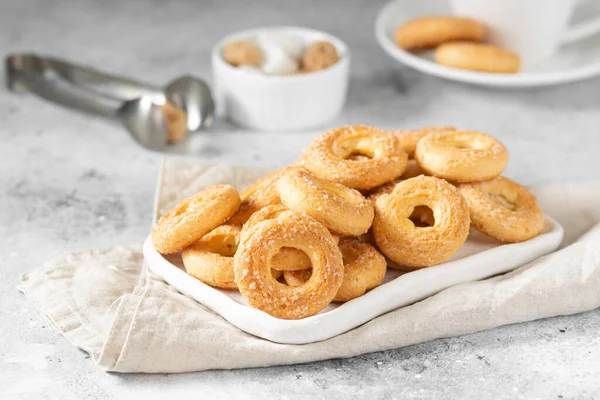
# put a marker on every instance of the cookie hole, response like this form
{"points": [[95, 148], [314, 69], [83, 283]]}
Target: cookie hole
{"points": [[465, 144], [357, 155], [462, 144], [306, 274], [355, 148], [288, 258], [500, 199], [225, 246], [422, 217], [278, 276], [298, 278], [349, 256]]}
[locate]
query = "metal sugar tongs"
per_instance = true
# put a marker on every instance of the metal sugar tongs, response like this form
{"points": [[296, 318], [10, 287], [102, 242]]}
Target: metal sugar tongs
{"points": [[138, 106]]}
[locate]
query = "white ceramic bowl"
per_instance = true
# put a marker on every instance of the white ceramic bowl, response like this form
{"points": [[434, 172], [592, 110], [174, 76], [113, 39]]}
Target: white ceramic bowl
{"points": [[271, 102]]}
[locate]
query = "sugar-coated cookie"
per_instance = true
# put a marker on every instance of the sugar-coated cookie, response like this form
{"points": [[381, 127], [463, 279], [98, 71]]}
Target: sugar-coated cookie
{"points": [[430, 32], [478, 57]]}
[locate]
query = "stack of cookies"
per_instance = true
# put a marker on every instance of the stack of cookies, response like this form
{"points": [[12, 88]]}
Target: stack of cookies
{"points": [[358, 201]]}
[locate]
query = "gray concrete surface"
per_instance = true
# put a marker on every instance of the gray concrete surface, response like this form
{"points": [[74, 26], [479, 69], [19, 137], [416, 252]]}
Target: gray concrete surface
{"points": [[69, 181]]}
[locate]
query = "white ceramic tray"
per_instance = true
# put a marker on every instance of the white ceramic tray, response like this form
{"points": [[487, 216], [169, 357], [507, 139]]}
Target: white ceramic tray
{"points": [[480, 257]]}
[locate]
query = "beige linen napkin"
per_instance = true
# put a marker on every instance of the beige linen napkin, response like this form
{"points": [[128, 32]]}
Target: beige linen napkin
{"points": [[108, 304]]}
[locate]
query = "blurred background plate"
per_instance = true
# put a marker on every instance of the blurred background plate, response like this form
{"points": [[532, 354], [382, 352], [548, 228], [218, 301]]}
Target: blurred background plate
{"points": [[571, 63]]}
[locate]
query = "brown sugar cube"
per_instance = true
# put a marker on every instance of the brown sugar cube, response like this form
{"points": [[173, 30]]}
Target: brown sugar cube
{"points": [[319, 55], [242, 52]]}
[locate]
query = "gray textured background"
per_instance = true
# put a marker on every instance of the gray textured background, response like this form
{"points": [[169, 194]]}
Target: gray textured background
{"points": [[69, 181]]}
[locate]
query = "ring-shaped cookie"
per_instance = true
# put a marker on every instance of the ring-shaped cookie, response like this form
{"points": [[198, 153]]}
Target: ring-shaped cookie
{"points": [[414, 247], [421, 216], [341, 209], [290, 259], [252, 265], [408, 139], [429, 32], [194, 217], [478, 57], [364, 269], [412, 170], [210, 259], [287, 258], [260, 194], [503, 209], [332, 156], [385, 189], [367, 237], [461, 156], [264, 214]]}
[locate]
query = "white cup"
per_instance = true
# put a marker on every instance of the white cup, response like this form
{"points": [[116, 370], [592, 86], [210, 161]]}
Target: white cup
{"points": [[532, 28]]}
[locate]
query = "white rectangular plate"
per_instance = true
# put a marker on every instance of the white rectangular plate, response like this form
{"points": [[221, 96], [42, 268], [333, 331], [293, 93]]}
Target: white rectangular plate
{"points": [[479, 258]]}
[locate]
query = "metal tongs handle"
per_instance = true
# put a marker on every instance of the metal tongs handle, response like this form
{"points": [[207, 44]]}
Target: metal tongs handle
{"points": [[73, 85], [29, 73], [103, 83]]}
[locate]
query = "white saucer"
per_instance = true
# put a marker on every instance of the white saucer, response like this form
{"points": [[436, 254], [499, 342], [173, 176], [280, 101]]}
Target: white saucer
{"points": [[479, 258], [573, 62]]}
